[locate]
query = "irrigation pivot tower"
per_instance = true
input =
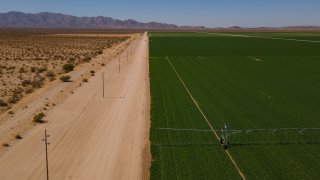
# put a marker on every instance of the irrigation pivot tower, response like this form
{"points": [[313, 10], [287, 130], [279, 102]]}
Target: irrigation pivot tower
{"points": [[241, 137], [224, 137]]}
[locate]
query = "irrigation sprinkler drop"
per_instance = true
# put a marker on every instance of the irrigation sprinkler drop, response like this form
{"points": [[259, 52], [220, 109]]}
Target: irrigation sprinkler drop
{"points": [[276, 136]]}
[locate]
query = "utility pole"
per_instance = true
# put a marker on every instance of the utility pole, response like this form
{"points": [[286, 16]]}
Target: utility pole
{"points": [[46, 145], [102, 84], [119, 62], [135, 43]]}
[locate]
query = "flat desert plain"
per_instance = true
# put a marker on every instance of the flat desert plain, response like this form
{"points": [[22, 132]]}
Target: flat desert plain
{"points": [[91, 136]]}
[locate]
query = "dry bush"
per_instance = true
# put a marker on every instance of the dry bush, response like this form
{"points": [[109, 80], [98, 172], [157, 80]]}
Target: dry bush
{"points": [[3, 103], [68, 67], [87, 59], [29, 90], [25, 82], [36, 84], [39, 118], [33, 69], [26, 57], [65, 78], [15, 97], [42, 69], [18, 136], [22, 70], [51, 74]]}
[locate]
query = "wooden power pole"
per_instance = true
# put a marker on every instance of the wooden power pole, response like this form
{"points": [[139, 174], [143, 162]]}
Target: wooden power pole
{"points": [[119, 62], [102, 84], [46, 145]]}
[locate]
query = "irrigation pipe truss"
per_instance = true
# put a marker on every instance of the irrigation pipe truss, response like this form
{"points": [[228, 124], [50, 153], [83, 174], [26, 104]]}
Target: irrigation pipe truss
{"points": [[234, 131]]}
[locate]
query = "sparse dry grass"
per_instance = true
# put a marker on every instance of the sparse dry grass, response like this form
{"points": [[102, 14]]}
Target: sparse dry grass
{"points": [[28, 60]]}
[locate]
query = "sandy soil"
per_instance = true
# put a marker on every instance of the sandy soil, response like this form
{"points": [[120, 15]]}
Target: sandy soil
{"points": [[52, 94], [91, 137], [29, 61]]}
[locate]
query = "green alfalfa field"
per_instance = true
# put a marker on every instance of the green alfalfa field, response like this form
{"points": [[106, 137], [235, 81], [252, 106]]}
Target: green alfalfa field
{"points": [[245, 80]]}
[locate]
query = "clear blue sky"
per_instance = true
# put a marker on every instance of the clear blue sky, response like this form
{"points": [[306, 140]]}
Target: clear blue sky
{"points": [[210, 13]]}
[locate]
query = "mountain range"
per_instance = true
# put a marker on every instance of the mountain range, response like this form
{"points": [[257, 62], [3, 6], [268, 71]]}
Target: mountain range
{"points": [[15, 19], [56, 20]]}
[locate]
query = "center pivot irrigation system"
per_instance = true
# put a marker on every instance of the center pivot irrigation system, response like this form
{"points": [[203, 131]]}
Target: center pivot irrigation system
{"points": [[280, 136]]}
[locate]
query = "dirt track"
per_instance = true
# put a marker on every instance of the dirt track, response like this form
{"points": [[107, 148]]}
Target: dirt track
{"points": [[92, 137]]}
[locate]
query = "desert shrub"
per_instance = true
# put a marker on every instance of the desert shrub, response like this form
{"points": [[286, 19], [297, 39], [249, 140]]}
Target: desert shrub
{"points": [[68, 67], [25, 82], [100, 52], [40, 78], [28, 91], [39, 118], [85, 80], [42, 69], [87, 59], [11, 112], [3, 103], [65, 78], [103, 64], [50, 74], [18, 90], [18, 136], [5, 145], [20, 76], [14, 98], [36, 83], [33, 69], [22, 70], [52, 78]]}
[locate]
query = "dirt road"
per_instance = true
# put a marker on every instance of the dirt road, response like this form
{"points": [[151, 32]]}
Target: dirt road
{"points": [[92, 137]]}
